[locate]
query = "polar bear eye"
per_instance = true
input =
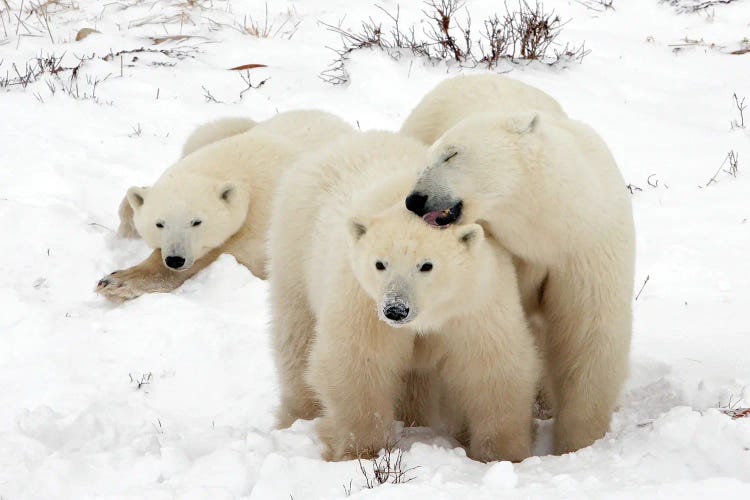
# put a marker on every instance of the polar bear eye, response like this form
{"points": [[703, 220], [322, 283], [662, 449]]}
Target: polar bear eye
{"points": [[380, 266], [196, 223], [160, 225], [426, 267]]}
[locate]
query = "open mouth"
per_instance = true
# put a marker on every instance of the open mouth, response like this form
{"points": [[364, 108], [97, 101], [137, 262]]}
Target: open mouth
{"points": [[442, 218]]}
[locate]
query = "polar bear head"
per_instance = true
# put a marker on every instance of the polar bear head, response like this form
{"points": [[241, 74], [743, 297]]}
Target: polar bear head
{"points": [[187, 217], [418, 275], [474, 167]]}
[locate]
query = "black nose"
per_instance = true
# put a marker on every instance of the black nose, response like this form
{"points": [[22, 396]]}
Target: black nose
{"points": [[416, 202], [396, 312], [174, 261]]}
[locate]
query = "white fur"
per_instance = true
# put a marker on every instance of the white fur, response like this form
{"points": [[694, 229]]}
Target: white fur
{"points": [[227, 186], [211, 132], [549, 190], [464, 350], [455, 98]]}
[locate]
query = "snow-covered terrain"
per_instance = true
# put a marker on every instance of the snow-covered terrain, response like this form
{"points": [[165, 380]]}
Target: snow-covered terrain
{"points": [[173, 395]]}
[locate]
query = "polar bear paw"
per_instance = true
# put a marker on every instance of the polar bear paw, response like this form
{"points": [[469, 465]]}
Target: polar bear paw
{"points": [[127, 284]]}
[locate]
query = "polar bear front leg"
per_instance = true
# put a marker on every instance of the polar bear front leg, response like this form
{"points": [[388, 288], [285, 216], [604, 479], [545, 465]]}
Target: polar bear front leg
{"points": [[293, 327], [356, 368], [588, 345], [150, 276], [493, 376]]}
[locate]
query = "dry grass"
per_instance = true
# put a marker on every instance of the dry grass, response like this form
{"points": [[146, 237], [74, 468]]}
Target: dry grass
{"points": [[598, 5], [739, 103], [387, 467], [30, 18], [693, 6], [60, 75], [729, 166], [255, 28], [734, 408], [262, 27], [525, 32]]}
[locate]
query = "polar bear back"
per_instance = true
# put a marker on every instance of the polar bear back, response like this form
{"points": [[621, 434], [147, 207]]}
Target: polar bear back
{"points": [[454, 99], [210, 132], [307, 129], [327, 179], [254, 156]]}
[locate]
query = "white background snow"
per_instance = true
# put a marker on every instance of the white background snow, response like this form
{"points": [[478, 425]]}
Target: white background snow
{"points": [[75, 424]]}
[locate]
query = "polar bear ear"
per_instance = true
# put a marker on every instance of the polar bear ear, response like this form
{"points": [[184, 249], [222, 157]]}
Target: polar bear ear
{"points": [[470, 235], [227, 192], [357, 229], [526, 123], [137, 196]]}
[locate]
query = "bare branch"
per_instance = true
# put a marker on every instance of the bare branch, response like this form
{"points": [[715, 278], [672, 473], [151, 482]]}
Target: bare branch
{"points": [[741, 107]]}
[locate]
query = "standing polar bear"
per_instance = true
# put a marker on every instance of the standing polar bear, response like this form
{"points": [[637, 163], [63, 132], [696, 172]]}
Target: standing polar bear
{"points": [[364, 294], [550, 192], [216, 199]]}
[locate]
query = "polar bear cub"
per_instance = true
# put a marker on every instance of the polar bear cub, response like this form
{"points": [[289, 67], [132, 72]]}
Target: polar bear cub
{"points": [[357, 282], [215, 200]]}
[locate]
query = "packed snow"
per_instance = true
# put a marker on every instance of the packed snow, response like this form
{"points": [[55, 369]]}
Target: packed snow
{"points": [[173, 395]]}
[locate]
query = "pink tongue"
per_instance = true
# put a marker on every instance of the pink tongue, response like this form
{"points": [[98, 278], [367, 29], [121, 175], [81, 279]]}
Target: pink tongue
{"points": [[431, 217]]}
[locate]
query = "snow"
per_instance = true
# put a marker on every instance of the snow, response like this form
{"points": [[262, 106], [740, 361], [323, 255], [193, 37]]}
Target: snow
{"points": [[75, 419]]}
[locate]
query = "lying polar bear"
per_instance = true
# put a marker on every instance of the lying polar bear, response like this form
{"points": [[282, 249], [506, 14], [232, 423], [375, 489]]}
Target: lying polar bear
{"points": [[216, 199]]}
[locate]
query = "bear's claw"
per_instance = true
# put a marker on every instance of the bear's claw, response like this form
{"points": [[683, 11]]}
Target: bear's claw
{"points": [[117, 289], [103, 283]]}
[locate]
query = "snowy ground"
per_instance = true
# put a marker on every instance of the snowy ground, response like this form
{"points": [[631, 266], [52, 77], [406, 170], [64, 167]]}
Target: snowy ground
{"points": [[76, 423]]}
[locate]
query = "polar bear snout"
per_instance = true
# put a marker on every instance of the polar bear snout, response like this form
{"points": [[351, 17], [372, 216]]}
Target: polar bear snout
{"points": [[178, 252], [174, 262], [416, 202], [436, 211], [396, 310]]}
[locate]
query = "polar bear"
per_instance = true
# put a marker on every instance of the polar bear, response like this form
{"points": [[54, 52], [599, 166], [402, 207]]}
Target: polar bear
{"points": [[455, 98], [215, 200], [548, 189], [364, 295], [214, 131], [204, 135]]}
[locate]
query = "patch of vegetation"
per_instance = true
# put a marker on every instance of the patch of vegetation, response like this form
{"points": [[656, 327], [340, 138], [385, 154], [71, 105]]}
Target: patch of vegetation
{"points": [[526, 32]]}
